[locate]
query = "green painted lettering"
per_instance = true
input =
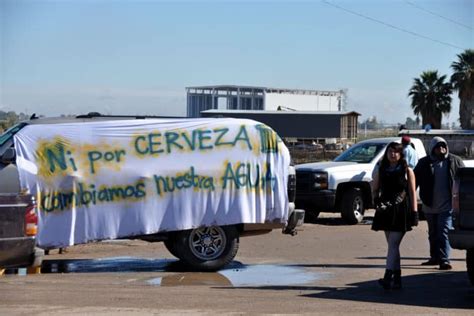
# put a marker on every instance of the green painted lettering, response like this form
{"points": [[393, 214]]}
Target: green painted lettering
{"points": [[56, 157], [241, 175], [229, 176], [221, 133], [140, 190], [243, 136], [191, 144], [203, 137], [171, 138], [268, 139], [154, 143], [93, 156], [140, 148]]}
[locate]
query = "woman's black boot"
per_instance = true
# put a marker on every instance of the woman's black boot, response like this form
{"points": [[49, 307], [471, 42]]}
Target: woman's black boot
{"points": [[386, 282], [397, 279]]}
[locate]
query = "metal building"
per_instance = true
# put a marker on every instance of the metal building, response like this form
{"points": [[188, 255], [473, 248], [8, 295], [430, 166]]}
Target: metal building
{"points": [[230, 97], [301, 125]]}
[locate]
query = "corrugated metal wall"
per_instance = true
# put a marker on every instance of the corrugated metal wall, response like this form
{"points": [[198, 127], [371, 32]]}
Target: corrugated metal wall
{"points": [[292, 124]]}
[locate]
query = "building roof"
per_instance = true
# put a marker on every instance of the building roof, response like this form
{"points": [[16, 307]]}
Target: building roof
{"points": [[269, 90], [280, 112], [227, 87]]}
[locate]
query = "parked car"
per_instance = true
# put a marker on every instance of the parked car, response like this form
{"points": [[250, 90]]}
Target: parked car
{"points": [[18, 229], [153, 180], [309, 146], [333, 146], [462, 234], [343, 185]]}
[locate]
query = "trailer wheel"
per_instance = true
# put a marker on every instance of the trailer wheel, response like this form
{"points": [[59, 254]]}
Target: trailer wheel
{"points": [[352, 206], [207, 248]]}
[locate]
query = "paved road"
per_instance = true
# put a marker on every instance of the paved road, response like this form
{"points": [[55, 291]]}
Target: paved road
{"points": [[328, 268]]}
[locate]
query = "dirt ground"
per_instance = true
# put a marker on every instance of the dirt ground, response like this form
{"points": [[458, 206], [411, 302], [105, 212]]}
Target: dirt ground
{"points": [[328, 268]]}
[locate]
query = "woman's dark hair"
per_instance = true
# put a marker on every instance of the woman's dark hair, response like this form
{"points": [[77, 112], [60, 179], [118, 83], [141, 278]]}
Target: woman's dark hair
{"points": [[399, 149]]}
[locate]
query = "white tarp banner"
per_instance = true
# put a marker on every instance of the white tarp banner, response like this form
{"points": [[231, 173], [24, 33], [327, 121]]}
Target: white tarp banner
{"points": [[110, 179]]}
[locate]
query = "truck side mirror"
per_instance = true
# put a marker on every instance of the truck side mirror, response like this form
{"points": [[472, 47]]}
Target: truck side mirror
{"points": [[9, 156]]}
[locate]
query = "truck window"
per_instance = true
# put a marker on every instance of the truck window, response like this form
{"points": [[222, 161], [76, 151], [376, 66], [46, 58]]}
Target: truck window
{"points": [[361, 153], [10, 132]]}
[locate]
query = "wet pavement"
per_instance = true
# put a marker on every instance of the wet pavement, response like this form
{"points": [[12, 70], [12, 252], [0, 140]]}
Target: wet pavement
{"points": [[115, 264], [328, 268], [244, 275], [235, 274]]}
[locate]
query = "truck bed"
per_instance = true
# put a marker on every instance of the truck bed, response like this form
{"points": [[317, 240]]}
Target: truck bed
{"points": [[462, 236], [16, 248]]}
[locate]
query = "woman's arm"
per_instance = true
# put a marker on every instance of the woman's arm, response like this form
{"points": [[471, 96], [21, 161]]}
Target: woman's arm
{"points": [[375, 182], [412, 189]]}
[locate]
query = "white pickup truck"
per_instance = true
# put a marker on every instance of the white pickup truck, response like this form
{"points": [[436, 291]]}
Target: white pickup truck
{"points": [[343, 185], [461, 236], [198, 185]]}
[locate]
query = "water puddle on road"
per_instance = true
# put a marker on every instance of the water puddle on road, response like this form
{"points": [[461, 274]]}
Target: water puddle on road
{"points": [[115, 264], [235, 274], [244, 275]]}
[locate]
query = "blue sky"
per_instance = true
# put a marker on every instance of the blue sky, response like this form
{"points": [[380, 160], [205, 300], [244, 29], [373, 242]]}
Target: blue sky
{"points": [[136, 57]]}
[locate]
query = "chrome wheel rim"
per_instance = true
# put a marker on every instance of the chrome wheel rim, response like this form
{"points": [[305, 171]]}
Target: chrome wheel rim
{"points": [[207, 243], [357, 208]]}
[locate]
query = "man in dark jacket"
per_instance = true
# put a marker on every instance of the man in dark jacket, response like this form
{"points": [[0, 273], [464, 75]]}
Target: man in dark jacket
{"points": [[434, 175]]}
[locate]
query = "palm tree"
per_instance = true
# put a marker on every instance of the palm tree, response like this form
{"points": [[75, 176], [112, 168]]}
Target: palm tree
{"points": [[463, 81], [431, 97]]}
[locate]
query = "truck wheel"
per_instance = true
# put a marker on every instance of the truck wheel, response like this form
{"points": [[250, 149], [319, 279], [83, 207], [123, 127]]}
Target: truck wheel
{"points": [[207, 248], [352, 206], [170, 245], [310, 216], [470, 264]]}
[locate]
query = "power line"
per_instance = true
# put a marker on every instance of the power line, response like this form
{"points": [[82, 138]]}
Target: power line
{"points": [[391, 25], [439, 16]]}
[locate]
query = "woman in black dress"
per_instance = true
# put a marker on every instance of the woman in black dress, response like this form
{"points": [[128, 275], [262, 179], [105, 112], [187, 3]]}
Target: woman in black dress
{"points": [[396, 208]]}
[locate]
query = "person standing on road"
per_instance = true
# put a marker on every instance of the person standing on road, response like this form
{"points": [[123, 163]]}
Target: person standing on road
{"points": [[409, 151], [396, 208], [435, 174]]}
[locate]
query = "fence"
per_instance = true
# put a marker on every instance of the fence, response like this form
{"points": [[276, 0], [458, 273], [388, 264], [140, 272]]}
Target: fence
{"points": [[313, 155]]}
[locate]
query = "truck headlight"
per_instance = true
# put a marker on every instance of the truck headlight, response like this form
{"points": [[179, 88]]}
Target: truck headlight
{"points": [[292, 187], [320, 180]]}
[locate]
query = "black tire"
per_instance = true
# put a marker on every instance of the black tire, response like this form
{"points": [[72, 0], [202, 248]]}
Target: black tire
{"points": [[207, 248], [470, 264], [310, 216], [421, 214], [352, 206], [170, 245]]}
